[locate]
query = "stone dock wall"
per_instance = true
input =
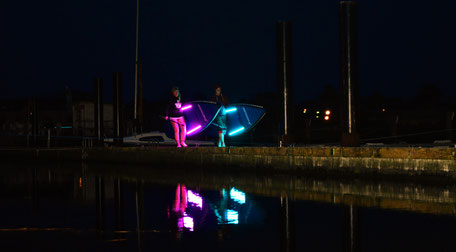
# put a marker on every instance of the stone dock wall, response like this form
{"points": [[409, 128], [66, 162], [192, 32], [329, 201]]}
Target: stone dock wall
{"points": [[362, 160]]}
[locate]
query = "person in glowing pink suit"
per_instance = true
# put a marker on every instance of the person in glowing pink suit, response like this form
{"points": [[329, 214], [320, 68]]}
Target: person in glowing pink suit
{"points": [[175, 115]]}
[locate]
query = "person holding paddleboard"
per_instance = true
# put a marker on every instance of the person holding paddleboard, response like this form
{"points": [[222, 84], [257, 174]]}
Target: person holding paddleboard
{"points": [[175, 115], [220, 120]]}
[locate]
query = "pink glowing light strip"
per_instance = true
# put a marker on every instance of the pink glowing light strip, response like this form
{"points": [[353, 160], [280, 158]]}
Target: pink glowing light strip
{"points": [[186, 107], [195, 199], [193, 130]]}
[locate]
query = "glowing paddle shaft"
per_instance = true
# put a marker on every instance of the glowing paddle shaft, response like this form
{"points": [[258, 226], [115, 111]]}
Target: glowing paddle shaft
{"points": [[236, 131], [186, 107], [228, 110], [193, 130]]}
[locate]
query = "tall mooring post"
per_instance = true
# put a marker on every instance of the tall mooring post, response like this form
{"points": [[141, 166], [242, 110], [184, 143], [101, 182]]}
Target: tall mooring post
{"points": [[119, 203], [117, 108], [100, 204], [349, 72], [351, 229], [98, 109], [135, 112], [140, 212], [139, 127], [36, 190], [287, 224], [35, 123], [285, 80]]}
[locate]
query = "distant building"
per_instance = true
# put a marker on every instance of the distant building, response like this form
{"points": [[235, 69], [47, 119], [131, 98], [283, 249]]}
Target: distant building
{"points": [[15, 115], [84, 120]]}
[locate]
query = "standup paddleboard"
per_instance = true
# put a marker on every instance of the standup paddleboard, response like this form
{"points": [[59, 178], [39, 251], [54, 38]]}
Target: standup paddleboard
{"points": [[198, 116], [240, 118]]}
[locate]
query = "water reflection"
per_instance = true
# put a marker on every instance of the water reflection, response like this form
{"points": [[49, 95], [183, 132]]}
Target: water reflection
{"points": [[179, 216], [188, 205], [237, 195], [144, 209], [227, 211], [195, 198]]}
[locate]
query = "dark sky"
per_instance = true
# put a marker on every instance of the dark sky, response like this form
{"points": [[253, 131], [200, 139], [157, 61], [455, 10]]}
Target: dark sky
{"points": [[46, 45]]}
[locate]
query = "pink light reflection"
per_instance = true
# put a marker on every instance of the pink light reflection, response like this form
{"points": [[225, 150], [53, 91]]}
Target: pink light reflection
{"points": [[193, 130], [195, 199], [188, 222]]}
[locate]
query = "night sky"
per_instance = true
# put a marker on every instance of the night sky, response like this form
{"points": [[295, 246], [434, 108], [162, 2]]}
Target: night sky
{"points": [[46, 45]]}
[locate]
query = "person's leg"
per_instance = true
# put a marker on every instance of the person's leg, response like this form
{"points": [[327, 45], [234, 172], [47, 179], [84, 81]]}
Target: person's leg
{"points": [[176, 132], [222, 138], [223, 130], [183, 131]]}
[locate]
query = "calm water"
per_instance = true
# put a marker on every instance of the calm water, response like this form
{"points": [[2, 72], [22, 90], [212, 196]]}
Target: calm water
{"points": [[77, 207]]}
